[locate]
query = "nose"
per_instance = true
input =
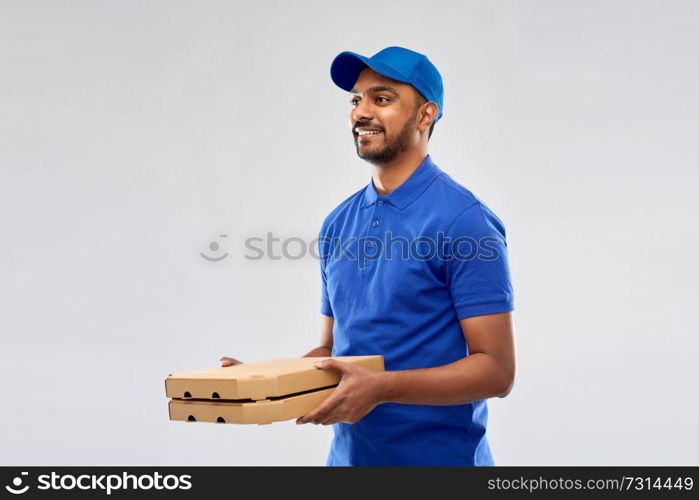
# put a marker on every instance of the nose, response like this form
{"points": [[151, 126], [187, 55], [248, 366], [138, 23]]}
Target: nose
{"points": [[362, 112]]}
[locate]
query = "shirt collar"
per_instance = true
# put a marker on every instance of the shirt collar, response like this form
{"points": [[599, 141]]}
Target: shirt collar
{"points": [[409, 190]]}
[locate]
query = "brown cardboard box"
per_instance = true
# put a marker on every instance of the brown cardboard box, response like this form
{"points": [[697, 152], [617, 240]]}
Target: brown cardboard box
{"points": [[261, 392]]}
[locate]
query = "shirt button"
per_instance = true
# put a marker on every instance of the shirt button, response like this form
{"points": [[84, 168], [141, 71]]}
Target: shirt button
{"points": [[381, 203], [375, 223]]}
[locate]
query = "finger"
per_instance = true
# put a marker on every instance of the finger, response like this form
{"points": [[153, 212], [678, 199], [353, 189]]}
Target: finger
{"points": [[333, 364], [329, 418], [321, 410], [227, 358], [324, 410], [226, 361], [339, 416]]}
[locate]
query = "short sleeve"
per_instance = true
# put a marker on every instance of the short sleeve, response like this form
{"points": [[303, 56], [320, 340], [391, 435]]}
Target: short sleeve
{"points": [[477, 266], [323, 254]]}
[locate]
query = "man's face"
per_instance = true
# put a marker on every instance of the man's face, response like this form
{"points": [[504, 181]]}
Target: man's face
{"points": [[388, 108]]}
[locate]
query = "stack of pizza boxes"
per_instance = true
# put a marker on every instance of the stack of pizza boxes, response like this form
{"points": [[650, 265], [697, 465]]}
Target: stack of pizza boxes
{"points": [[256, 393]]}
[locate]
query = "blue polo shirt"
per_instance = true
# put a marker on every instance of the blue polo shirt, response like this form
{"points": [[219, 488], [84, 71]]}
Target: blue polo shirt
{"points": [[398, 272]]}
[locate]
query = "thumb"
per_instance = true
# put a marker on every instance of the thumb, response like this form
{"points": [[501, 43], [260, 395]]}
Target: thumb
{"points": [[332, 364]]}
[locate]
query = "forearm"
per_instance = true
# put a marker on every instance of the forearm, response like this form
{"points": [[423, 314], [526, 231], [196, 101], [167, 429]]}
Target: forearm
{"points": [[474, 377], [320, 352]]}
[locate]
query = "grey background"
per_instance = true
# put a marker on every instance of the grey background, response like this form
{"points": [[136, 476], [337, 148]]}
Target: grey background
{"points": [[134, 133]]}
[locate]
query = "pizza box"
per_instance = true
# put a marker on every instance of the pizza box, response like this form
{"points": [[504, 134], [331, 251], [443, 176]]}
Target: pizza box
{"points": [[264, 411], [260, 392], [261, 379]]}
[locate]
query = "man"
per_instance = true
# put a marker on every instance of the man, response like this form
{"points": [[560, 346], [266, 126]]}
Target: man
{"points": [[414, 267]]}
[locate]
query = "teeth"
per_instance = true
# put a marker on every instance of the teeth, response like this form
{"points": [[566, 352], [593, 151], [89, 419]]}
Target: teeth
{"points": [[367, 132]]}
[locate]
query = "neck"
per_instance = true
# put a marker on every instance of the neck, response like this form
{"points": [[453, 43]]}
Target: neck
{"points": [[389, 176]]}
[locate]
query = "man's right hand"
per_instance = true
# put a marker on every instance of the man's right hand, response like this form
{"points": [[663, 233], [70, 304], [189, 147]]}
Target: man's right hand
{"points": [[226, 361]]}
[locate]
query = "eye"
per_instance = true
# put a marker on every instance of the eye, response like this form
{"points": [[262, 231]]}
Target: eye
{"points": [[354, 100]]}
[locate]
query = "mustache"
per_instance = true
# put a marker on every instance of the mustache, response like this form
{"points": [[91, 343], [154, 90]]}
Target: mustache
{"points": [[367, 125]]}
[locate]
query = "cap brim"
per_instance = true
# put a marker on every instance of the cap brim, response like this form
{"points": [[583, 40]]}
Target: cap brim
{"points": [[346, 67]]}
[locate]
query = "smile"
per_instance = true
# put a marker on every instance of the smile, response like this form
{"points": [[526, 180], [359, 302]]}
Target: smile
{"points": [[362, 136]]}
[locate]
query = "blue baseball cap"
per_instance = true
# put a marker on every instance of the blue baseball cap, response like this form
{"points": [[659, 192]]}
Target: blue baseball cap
{"points": [[397, 63]]}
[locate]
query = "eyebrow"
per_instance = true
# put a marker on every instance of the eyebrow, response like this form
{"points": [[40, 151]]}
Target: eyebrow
{"points": [[375, 89]]}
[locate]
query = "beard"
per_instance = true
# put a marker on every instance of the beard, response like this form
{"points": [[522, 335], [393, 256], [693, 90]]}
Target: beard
{"points": [[380, 152]]}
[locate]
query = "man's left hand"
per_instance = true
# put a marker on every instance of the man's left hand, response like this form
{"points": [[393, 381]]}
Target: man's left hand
{"points": [[359, 391]]}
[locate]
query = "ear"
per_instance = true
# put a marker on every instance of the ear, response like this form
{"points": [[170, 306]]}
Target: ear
{"points": [[427, 115]]}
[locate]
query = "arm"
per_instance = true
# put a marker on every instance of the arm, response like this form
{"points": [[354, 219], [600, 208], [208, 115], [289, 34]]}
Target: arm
{"points": [[327, 319], [488, 371], [326, 338], [482, 294], [481, 289]]}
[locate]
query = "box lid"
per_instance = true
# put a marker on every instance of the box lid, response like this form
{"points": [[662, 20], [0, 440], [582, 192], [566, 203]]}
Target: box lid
{"points": [[261, 379]]}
